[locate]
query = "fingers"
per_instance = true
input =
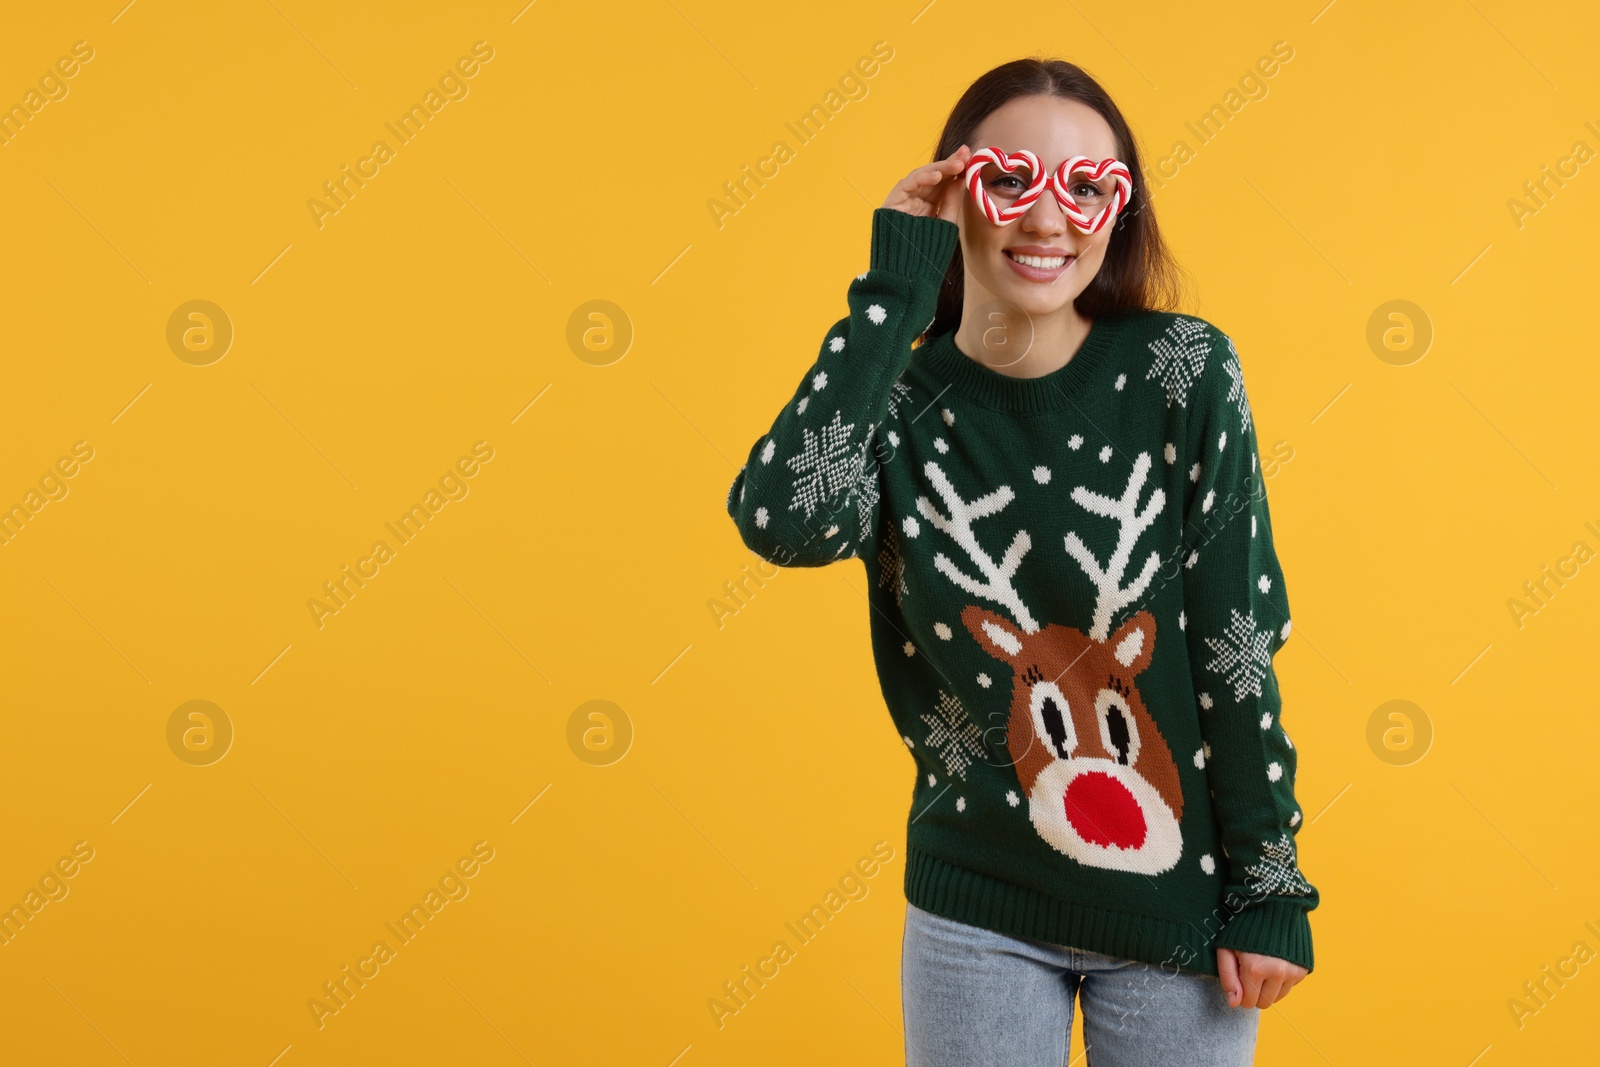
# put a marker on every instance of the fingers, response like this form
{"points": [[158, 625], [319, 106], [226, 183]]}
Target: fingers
{"points": [[933, 173], [1265, 980], [1249, 981], [920, 191], [1228, 972], [950, 195]]}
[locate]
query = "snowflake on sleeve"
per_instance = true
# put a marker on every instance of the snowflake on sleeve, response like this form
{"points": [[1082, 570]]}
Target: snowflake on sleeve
{"points": [[1242, 654], [825, 465], [867, 486], [1180, 357], [1277, 873], [892, 565], [1236, 386], [953, 735], [899, 393]]}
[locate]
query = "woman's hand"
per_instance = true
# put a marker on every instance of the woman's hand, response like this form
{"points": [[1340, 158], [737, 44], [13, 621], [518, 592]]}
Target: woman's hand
{"points": [[932, 189], [1255, 981]]}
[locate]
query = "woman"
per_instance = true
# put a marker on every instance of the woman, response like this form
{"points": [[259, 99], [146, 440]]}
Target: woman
{"points": [[1053, 482]]}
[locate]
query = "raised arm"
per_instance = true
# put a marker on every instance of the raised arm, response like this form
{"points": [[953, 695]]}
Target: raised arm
{"points": [[1236, 612], [807, 493]]}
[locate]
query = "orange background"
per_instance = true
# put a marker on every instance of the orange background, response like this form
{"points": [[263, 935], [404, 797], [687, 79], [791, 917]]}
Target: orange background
{"points": [[744, 762]]}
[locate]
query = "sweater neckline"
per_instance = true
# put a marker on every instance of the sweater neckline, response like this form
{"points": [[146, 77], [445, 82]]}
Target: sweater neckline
{"points": [[1049, 392]]}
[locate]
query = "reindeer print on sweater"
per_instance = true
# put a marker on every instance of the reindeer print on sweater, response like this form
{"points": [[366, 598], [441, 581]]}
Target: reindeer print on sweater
{"points": [[1101, 783]]}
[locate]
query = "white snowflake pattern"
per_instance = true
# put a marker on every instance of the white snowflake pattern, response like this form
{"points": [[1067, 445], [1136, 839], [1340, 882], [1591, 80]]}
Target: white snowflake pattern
{"points": [[1180, 357], [1236, 386], [826, 465], [867, 487], [836, 344], [899, 393], [892, 566], [953, 735], [1277, 872], [876, 314], [1242, 654]]}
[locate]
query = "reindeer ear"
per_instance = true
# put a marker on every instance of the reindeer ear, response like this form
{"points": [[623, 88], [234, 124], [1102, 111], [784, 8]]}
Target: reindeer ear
{"points": [[999, 636], [1135, 642]]}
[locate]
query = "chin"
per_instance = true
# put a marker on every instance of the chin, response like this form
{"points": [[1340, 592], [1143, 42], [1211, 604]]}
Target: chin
{"points": [[1038, 301]]}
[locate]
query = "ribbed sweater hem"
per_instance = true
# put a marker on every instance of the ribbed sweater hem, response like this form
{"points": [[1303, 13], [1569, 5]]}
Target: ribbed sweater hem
{"points": [[964, 895]]}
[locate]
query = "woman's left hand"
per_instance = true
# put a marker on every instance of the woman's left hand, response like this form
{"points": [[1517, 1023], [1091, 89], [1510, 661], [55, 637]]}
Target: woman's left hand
{"points": [[1255, 981]]}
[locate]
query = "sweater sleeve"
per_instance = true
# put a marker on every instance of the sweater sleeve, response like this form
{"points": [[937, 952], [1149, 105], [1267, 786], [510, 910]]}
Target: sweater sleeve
{"points": [[807, 493], [1236, 619]]}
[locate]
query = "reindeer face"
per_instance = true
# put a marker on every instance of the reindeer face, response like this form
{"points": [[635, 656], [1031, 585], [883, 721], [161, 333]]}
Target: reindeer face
{"points": [[1101, 783]]}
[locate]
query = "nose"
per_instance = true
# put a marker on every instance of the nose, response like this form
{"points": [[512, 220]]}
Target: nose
{"points": [[1103, 811], [1045, 217]]}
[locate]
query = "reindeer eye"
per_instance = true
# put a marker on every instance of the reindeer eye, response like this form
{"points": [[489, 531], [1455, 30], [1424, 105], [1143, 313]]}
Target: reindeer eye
{"points": [[1052, 719], [1118, 733]]}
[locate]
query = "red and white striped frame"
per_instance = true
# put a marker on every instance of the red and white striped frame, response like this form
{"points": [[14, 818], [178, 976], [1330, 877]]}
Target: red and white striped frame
{"points": [[1059, 182]]}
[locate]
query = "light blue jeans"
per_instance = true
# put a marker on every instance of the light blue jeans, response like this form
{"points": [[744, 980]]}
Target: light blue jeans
{"points": [[975, 997]]}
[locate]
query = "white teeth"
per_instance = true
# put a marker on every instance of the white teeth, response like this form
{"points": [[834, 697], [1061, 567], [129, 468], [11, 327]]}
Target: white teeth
{"points": [[1042, 262]]}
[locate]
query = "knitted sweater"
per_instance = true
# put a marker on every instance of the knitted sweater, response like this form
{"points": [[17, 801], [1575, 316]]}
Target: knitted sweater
{"points": [[1075, 602]]}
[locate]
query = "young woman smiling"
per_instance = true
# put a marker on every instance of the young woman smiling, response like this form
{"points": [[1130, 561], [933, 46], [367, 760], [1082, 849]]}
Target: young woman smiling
{"points": [[1053, 482]]}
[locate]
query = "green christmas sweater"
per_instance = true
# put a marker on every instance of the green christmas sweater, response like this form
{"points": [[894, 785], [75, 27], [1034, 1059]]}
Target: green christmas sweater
{"points": [[1075, 603]]}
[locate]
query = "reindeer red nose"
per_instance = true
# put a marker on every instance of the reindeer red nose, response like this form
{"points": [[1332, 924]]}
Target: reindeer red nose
{"points": [[1103, 812]]}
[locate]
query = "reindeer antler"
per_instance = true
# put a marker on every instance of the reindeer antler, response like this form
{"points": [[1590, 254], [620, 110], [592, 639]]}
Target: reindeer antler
{"points": [[1131, 523], [958, 525]]}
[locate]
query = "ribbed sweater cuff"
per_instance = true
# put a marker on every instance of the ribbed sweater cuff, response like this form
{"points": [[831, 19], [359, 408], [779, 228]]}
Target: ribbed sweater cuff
{"points": [[1278, 928], [914, 246]]}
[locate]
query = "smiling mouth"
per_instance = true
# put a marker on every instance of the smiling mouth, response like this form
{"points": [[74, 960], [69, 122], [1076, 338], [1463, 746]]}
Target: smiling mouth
{"points": [[1039, 262]]}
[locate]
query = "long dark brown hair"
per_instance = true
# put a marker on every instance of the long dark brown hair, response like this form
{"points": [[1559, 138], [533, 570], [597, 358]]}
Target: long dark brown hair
{"points": [[1139, 272]]}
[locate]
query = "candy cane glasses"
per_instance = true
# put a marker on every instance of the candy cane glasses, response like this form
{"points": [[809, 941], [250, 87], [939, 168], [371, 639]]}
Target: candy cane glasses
{"points": [[1005, 185]]}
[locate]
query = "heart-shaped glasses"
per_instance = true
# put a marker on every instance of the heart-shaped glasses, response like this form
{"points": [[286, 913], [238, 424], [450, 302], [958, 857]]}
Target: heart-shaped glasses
{"points": [[1005, 185]]}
